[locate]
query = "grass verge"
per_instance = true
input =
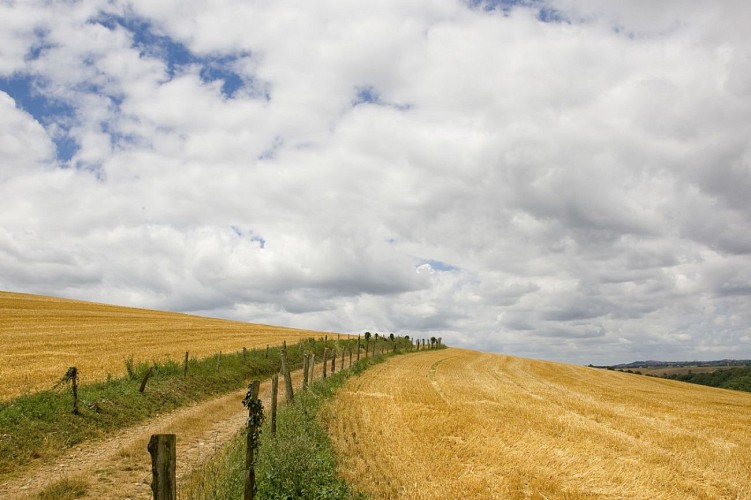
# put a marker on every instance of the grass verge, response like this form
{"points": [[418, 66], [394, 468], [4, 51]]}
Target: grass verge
{"points": [[41, 426], [299, 462]]}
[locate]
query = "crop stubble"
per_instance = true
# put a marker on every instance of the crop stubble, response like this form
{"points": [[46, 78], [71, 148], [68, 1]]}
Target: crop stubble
{"points": [[463, 424], [42, 336]]}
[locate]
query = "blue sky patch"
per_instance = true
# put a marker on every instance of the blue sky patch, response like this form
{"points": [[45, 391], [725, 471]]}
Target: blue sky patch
{"points": [[366, 95], [545, 13], [550, 15], [232, 82], [369, 95], [66, 146], [176, 55], [31, 95], [437, 265], [148, 42]]}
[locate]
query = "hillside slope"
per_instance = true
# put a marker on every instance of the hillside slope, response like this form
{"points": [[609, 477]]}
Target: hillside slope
{"points": [[43, 336], [464, 424]]}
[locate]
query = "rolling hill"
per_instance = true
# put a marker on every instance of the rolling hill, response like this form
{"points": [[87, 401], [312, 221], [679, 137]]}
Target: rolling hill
{"points": [[465, 424], [42, 336]]}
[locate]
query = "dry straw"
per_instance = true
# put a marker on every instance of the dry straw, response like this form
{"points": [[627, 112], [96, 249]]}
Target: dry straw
{"points": [[42, 336], [463, 424]]}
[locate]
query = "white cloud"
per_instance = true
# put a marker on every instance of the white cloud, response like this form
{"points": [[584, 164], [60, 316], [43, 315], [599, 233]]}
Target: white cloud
{"points": [[25, 148], [571, 190]]}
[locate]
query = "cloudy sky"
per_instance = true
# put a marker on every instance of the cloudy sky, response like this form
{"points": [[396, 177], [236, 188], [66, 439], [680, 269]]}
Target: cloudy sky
{"points": [[563, 179]]}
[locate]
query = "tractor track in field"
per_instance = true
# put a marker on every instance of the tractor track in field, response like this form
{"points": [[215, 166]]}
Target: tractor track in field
{"points": [[119, 467]]}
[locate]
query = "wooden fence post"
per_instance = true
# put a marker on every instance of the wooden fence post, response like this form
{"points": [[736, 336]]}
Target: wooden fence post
{"points": [[274, 400], [145, 379], [333, 360], [358, 348], [185, 365], [74, 387], [162, 448], [287, 377], [350, 356], [218, 360], [311, 367], [72, 376], [325, 360], [267, 351], [305, 361], [255, 419], [341, 364]]}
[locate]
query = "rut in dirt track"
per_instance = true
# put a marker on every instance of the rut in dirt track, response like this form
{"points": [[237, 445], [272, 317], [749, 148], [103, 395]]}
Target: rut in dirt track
{"points": [[120, 466]]}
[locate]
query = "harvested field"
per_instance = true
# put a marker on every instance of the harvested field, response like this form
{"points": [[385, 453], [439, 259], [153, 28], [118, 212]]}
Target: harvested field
{"points": [[42, 336], [464, 424]]}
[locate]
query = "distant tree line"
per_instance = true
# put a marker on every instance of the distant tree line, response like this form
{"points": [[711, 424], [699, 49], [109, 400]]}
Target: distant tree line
{"points": [[738, 379]]}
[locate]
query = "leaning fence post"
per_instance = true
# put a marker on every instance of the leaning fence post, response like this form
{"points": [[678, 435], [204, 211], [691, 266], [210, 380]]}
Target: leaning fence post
{"points": [[163, 457], [145, 379], [72, 376], [333, 361], [255, 419]]}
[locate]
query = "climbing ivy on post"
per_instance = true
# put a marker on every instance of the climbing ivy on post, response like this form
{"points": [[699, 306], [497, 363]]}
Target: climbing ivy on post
{"points": [[255, 419]]}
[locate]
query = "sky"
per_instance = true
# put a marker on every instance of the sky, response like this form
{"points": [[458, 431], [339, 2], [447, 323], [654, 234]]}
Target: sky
{"points": [[567, 179]]}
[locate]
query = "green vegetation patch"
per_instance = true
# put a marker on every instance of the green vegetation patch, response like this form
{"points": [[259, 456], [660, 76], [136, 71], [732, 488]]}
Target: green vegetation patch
{"points": [[42, 425], [738, 379], [298, 462]]}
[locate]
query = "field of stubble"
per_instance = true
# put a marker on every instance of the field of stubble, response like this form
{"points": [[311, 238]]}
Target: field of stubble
{"points": [[464, 424], [42, 336]]}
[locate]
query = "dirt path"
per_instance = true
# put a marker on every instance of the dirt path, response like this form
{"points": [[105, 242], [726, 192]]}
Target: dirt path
{"points": [[120, 466]]}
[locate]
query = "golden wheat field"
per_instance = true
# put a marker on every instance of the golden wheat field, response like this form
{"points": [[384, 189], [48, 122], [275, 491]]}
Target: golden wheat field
{"points": [[462, 424], [42, 336]]}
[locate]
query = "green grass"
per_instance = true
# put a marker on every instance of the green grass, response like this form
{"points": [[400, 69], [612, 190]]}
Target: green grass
{"points": [[42, 425], [299, 462]]}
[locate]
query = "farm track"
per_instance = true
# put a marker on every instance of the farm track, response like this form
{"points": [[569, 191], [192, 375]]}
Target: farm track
{"points": [[463, 424], [120, 467]]}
